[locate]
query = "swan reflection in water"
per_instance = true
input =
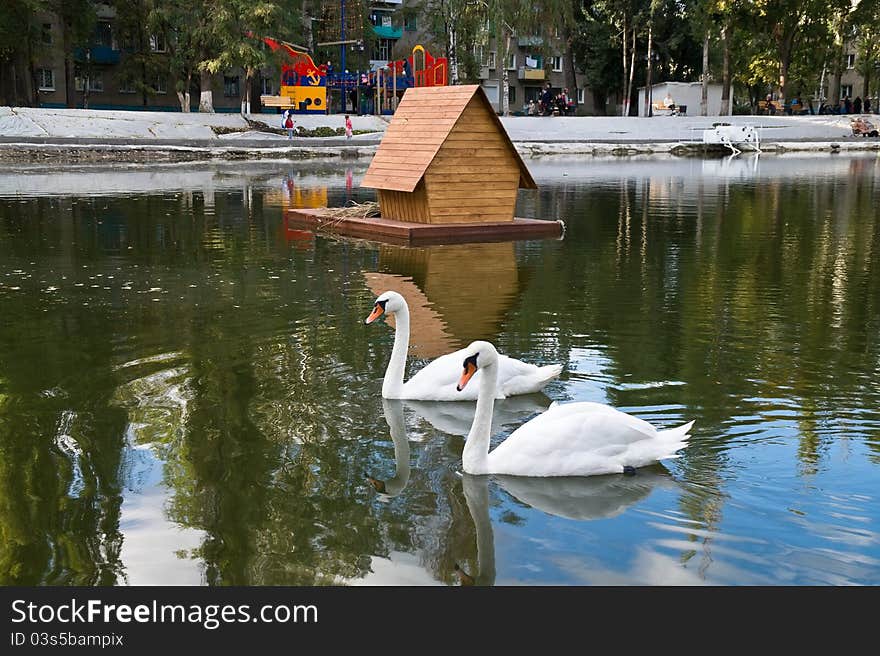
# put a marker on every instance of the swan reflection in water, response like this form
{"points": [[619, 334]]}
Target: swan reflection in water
{"points": [[449, 417], [456, 417], [393, 486], [569, 497]]}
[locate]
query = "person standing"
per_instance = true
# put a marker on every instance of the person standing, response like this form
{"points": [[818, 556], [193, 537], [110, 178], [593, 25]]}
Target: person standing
{"points": [[546, 101], [857, 105], [348, 127], [288, 123]]}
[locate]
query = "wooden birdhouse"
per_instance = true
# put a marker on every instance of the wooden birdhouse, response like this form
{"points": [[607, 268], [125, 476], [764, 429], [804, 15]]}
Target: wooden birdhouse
{"points": [[445, 158]]}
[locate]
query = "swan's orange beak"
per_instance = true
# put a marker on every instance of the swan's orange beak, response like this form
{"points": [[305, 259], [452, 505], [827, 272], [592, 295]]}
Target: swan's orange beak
{"points": [[377, 312], [469, 370]]}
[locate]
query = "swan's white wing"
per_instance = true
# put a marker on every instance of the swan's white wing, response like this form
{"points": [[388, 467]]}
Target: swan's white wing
{"points": [[436, 381], [571, 439], [518, 377]]}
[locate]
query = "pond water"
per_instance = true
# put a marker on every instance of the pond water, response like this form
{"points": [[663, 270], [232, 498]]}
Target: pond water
{"points": [[189, 395]]}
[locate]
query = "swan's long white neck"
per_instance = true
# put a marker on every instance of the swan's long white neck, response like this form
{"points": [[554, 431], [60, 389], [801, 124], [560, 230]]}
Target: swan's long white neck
{"points": [[475, 457], [392, 386]]}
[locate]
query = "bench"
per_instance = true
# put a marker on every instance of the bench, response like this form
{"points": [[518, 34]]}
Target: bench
{"points": [[775, 106], [276, 101], [663, 110], [678, 110]]}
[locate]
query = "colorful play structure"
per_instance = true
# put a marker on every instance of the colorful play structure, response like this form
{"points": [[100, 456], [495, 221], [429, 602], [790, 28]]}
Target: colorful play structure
{"points": [[305, 85]]}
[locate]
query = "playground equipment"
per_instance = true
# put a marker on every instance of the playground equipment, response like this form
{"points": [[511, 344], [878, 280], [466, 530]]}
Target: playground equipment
{"points": [[305, 85]]}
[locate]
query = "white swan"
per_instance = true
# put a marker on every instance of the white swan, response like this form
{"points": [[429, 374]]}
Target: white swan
{"points": [[437, 380], [572, 439]]}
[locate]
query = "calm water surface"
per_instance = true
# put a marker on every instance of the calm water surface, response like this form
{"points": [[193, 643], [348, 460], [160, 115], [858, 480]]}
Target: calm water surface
{"points": [[188, 394]]}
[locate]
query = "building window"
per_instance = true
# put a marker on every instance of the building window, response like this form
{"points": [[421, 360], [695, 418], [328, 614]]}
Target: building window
{"points": [[230, 86], [410, 24], [382, 52], [380, 18], [490, 59], [511, 94], [126, 86], [845, 91], [557, 64], [157, 43], [46, 79], [96, 81], [103, 34], [511, 62], [46, 34], [581, 96], [851, 61], [267, 86], [160, 85]]}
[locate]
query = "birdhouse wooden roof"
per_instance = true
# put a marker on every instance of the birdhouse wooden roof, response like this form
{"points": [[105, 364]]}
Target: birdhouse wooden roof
{"points": [[421, 124]]}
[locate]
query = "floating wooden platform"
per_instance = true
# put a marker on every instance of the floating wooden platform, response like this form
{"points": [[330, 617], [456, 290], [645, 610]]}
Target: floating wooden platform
{"points": [[321, 220]]}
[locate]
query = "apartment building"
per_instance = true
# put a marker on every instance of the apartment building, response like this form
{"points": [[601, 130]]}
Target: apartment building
{"points": [[96, 77], [532, 62], [852, 82]]}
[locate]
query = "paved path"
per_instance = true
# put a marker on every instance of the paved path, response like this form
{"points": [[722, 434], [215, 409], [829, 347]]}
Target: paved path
{"points": [[54, 130]]}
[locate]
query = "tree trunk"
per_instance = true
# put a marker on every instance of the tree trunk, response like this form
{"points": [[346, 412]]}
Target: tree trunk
{"points": [[504, 100], [834, 86], [32, 86], [623, 102], [570, 75], [183, 99], [725, 71], [246, 96], [206, 98], [783, 78], [648, 90], [785, 48], [704, 93], [451, 54], [632, 66], [69, 90]]}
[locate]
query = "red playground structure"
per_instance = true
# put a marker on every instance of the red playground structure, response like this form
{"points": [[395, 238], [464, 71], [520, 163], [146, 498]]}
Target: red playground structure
{"points": [[305, 85]]}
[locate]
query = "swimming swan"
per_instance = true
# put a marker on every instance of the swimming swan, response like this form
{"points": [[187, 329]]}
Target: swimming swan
{"points": [[436, 381], [571, 439]]}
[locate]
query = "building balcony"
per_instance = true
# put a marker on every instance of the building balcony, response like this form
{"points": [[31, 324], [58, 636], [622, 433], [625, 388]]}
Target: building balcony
{"points": [[530, 41], [387, 32], [97, 55], [486, 72], [537, 74]]}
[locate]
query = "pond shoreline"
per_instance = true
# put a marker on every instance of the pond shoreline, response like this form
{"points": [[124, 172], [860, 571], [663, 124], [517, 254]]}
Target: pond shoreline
{"points": [[36, 136]]}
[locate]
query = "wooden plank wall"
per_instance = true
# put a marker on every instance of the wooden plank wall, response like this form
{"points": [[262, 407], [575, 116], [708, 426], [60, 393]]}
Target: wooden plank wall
{"points": [[419, 127], [474, 177], [409, 206]]}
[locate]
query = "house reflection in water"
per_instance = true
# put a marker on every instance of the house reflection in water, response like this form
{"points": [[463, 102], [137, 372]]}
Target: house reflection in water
{"points": [[456, 293]]}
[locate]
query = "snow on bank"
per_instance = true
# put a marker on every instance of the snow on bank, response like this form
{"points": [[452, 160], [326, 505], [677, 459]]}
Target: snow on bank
{"points": [[98, 124], [193, 136]]}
